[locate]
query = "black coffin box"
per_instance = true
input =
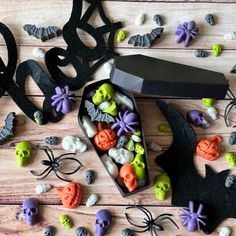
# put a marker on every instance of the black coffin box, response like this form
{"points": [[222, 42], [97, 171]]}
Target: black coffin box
{"points": [[83, 111], [148, 75]]}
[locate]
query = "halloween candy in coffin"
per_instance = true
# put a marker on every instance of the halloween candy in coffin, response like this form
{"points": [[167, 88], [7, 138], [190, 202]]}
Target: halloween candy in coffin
{"points": [[109, 117]]}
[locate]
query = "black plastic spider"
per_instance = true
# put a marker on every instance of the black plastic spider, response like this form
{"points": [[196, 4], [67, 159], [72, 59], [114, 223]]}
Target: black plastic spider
{"points": [[54, 164], [229, 106], [150, 224]]}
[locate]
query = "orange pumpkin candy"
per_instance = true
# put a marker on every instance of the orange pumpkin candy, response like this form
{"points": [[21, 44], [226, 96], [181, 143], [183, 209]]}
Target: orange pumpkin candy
{"points": [[105, 139], [71, 195]]}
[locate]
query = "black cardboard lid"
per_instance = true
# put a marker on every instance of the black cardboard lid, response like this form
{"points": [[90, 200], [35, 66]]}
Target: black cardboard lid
{"points": [[152, 76]]}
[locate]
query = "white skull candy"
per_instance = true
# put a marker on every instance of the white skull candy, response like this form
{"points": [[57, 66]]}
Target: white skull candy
{"points": [[92, 200], [121, 99], [121, 155], [140, 19], [225, 231], [74, 144], [212, 112], [110, 166], [89, 126], [43, 188]]}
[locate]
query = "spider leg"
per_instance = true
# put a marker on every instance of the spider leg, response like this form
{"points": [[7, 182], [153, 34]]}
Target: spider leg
{"points": [[65, 154], [74, 171], [168, 218], [59, 177], [56, 96], [49, 169], [58, 91], [155, 232], [199, 211], [57, 100], [47, 150], [120, 131], [227, 111], [187, 211], [201, 221], [130, 221], [144, 210], [165, 214]]}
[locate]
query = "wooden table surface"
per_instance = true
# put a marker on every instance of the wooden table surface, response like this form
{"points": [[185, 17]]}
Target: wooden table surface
{"points": [[16, 184]]}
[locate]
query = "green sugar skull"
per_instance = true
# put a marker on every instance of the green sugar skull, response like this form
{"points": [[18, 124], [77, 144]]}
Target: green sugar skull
{"points": [[121, 36], [139, 166], [208, 102], [162, 186], [23, 153], [112, 109], [231, 158], [217, 50], [66, 221], [104, 93], [139, 149]]}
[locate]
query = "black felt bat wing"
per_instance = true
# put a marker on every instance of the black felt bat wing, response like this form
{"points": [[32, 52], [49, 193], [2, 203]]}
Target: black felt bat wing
{"points": [[8, 129], [219, 201]]}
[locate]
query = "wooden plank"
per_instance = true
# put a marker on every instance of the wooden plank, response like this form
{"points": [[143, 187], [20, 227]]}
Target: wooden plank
{"points": [[85, 217], [59, 12], [222, 64], [24, 183]]}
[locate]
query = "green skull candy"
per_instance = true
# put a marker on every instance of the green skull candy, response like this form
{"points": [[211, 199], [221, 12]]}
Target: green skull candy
{"points": [[139, 149], [23, 153], [231, 158], [217, 49], [162, 186], [104, 93], [121, 36], [208, 102], [139, 166], [66, 221]]}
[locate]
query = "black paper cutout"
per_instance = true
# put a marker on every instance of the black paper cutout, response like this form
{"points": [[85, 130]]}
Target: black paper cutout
{"points": [[219, 201], [77, 53], [7, 130], [43, 33]]}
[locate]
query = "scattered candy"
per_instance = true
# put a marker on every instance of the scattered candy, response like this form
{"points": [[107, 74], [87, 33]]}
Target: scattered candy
{"points": [[162, 186], [230, 181], [212, 112], [52, 140], [92, 200], [38, 52], [89, 176], [130, 145], [158, 19], [217, 48], [140, 19], [66, 221], [121, 99], [198, 119], [139, 166], [155, 147], [126, 232], [102, 222], [110, 166], [50, 231], [232, 138], [23, 153], [136, 138], [231, 158], [107, 67], [121, 36], [230, 36], [201, 53], [208, 102], [71, 195], [89, 126], [81, 231], [38, 117], [209, 149], [43, 188], [121, 155], [73, 144], [122, 141], [210, 19], [164, 128], [225, 231], [31, 211], [139, 149]]}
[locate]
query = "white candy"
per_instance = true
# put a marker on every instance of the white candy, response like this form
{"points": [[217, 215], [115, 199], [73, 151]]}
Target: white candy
{"points": [[104, 106], [110, 166], [119, 98], [136, 138], [212, 112], [154, 147], [225, 231], [140, 19], [74, 144], [38, 52], [92, 200], [230, 36], [43, 188], [107, 67], [89, 126], [121, 155]]}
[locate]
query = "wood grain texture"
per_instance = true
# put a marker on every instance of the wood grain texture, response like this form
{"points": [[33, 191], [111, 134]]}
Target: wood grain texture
{"points": [[16, 184]]}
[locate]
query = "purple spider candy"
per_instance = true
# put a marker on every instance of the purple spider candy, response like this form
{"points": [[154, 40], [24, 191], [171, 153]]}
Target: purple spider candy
{"points": [[186, 32], [103, 222], [63, 100], [126, 123], [192, 220]]}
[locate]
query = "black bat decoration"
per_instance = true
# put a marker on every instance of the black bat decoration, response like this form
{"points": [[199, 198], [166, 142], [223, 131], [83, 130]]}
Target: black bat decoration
{"points": [[97, 115], [43, 33], [7, 130], [187, 185], [146, 40]]}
